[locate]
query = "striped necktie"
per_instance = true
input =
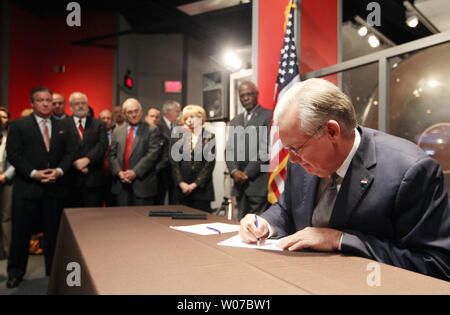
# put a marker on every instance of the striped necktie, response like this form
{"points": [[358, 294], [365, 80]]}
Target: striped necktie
{"points": [[322, 212], [45, 134], [81, 129]]}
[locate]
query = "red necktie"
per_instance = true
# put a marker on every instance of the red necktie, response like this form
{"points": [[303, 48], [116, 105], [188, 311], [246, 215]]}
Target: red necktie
{"points": [[106, 167], [128, 145], [80, 127]]}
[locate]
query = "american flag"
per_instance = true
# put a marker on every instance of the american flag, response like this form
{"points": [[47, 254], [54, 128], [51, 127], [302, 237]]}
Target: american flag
{"points": [[288, 74]]}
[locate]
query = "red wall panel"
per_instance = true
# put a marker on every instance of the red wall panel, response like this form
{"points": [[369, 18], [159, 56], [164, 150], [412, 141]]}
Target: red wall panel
{"points": [[38, 45], [318, 40], [270, 40]]}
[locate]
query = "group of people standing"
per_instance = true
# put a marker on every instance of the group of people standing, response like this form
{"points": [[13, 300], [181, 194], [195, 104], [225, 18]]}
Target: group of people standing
{"points": [[121, 159]]}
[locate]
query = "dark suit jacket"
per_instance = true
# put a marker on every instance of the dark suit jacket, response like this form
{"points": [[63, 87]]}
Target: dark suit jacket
{"points": [[163, 128], [400, 217], [197, 167], [145, 153], [93, 146], [163, 161], [238, 144], [26, 152]]}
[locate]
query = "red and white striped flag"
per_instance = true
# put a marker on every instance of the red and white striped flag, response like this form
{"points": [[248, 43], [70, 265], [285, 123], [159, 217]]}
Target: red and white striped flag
{"points": [[288, 74]]}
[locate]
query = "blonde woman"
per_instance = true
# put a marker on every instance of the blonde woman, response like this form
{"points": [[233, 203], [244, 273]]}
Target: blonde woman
{"points": [[193, 174]]}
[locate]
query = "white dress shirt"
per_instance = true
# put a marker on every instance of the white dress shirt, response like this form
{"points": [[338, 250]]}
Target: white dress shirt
{"points": [[77, 123], [48, 122]]}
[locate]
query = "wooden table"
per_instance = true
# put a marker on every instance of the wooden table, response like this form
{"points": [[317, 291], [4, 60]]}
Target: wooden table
{"points": [[121, 250]]}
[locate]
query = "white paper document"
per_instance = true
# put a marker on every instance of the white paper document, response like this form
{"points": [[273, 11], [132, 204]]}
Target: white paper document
{"points": [[235, 241], [208, 228]]}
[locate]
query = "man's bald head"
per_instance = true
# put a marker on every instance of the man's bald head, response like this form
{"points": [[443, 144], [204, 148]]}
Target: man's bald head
{"points": [[106, 116], [58, 104], [132, 110]]}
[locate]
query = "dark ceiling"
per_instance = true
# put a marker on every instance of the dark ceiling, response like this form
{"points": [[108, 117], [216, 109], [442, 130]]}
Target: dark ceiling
{"points": [[230, 25], [393, 24]]}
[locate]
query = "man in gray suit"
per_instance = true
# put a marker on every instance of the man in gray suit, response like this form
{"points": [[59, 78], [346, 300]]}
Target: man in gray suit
{"points": [[246, 152], [134, 153], [170, 113], [353, 189]]}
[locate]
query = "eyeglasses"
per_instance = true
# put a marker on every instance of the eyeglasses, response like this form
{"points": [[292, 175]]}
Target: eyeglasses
{"points": [[297, 151]]}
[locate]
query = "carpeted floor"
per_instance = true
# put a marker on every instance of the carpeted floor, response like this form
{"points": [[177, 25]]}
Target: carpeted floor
{"points": [[35, 282]]}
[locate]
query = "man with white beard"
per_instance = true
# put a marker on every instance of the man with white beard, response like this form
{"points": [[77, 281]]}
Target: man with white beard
{"points": [[86, 177]]}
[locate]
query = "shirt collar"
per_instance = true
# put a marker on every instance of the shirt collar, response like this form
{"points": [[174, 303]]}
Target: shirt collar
{"points": [[167, 121], [342, 170], [39, 119], [77, 119], [250, 113], [134, 126]]}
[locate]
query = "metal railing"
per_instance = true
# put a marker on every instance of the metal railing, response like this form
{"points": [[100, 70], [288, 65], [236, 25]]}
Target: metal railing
{"points": [[382, 58]]}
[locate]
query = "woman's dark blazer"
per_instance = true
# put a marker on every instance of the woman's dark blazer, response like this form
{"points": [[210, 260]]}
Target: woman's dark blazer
{"points": [[194, 165]]}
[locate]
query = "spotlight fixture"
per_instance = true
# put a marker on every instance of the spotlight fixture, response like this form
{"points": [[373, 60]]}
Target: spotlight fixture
{"points": [[374, 35], [412, 11], [374, 42], [362, 31], [412, 21]]}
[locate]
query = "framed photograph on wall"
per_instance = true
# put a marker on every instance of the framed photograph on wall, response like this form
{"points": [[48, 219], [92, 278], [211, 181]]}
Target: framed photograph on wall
{"points": [[215, 95]]}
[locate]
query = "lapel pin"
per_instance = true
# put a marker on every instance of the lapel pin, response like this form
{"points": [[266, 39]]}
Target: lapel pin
{"points": [[364, 181]]}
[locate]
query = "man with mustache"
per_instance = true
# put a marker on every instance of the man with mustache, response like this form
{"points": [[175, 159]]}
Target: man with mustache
{"points": [[86, 177]]}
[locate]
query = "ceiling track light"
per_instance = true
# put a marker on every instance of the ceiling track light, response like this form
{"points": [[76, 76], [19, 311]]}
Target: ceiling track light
{"points": [[412, 21], [374, 31], [362, 31], [412, 10], [373, 41]]}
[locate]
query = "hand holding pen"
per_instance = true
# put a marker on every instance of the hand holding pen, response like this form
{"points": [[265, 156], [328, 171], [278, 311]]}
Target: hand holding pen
{"points": [[258, 240], [253, 229]]}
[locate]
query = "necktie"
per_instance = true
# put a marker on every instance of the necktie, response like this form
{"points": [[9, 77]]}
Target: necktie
{"points": [[128, 146], [106, 167], [80, 127], [45, 134], [322, 212]]}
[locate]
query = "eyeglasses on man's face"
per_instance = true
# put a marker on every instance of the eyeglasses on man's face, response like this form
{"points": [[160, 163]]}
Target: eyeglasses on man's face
{"points": [[298, 151]]}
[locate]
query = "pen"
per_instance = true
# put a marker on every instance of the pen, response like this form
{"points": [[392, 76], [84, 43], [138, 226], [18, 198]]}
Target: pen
{"points": [[256, 224], [213, 229]]}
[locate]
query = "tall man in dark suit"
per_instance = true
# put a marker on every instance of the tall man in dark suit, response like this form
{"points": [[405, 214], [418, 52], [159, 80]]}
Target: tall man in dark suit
{"points": [[170, 113], [40, 149], [108, 198], [153, 118], [135, 151], [247, 140], [86, 177], [354, 189]]}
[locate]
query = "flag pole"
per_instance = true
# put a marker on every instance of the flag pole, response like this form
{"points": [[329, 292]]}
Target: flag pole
{"points": [[288, 74]]}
